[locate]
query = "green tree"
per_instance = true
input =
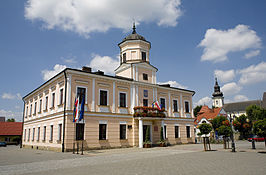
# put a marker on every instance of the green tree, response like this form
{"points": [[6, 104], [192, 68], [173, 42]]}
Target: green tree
{"points": [[243, 125], [205, 129], [225, 131], [196, 110], [255, 112], [11, 120], [217, 122], [259, 129]]}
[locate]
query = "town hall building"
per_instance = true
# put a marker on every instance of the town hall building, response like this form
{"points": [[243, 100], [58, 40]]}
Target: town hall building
{"points": [[118, 109]]}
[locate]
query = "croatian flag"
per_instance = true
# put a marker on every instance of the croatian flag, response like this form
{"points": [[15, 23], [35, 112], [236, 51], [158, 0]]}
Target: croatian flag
{"points": [[81, 114], [156, 103], [76, 110]]}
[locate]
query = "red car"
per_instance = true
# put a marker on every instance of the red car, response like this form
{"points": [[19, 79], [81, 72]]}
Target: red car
{"points": [[256, 138]]}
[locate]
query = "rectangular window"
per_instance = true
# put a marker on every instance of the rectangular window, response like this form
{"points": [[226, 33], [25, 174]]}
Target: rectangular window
{"points": [[30, 109], [27, 112], [59, 132], [162, 102], [44, 133], [165, 131], [53, 100], [124, 57], [145, 102], [122, 99], [38, 134], [51, 132], [175, 105], [81, 93], [188, 131], [79, 131], [61, 97], [143, 56], [145, 76], [123, 130], [187, 107], [25, 134], [33, 134], [29, 135], [103, 97], [176, 131], [46, 102], [35, 108], [40, 105], [145, 93], [102, 131]]}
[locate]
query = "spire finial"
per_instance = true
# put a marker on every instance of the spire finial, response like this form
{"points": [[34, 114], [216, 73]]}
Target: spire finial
{"points": [[134, 28]]}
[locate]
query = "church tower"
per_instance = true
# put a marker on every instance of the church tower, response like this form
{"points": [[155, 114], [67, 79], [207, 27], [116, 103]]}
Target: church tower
{"points": [[135, 59], [217, 96]]}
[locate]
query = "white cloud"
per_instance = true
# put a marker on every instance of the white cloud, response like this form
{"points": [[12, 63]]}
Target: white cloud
{"points": [[252, 53], [9, 96], [174, 84], [11, 114], [230, 89], [218, 43], [69, 60], [47, 74], [225, 76], [85, 17], [105, 64], [253, 74], [204, 101], [240, 98]]}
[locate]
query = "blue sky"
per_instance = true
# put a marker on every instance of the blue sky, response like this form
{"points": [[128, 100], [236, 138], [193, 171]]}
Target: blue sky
{"points": [[192, 41]]}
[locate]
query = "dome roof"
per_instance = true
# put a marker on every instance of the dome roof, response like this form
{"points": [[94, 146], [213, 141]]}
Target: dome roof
{"points": [[134, 36]]}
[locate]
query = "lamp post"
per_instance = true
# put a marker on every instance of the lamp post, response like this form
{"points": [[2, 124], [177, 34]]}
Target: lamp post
{"points": [[232, 135]]}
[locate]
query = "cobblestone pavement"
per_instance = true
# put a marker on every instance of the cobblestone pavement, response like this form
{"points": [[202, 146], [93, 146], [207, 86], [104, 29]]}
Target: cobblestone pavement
{"points": [[178, 159]]}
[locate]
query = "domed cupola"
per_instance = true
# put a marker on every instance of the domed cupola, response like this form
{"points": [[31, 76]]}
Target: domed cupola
{"points": [[134, 48]]}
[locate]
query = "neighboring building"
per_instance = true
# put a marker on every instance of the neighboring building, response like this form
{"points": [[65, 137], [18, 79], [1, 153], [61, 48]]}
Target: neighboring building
{"points": [[109, 106], [2, 119], [206, 114], [10, 132], [238, 108]]}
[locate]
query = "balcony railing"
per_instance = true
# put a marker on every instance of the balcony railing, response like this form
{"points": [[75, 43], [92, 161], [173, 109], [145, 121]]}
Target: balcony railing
{"points": [[141, 111]]}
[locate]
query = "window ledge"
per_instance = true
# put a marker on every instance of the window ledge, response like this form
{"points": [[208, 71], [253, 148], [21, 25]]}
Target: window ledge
{"points": [[60, 105], [103, 106], [123, 107]]}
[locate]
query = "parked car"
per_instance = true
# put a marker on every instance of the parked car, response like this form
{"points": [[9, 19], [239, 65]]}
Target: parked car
{"points": [[3, 144], [256, 138]]}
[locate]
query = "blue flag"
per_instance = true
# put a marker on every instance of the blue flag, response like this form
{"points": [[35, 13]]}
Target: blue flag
{"points": [[81, 114]]}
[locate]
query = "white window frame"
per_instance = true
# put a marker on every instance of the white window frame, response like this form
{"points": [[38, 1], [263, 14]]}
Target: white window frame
{"points": [[33, 134], [44, 133], [189, 131], [59, 96], [178, 130], [165, 130], [40, 105], [35, 107], [59, 131], [86, 92], [122, 123], [104, 122], [46, 103], [99, 99], [38, 133], [27, 111], [51, 132], [119, 98], [177, 105], [52, 105], [28, 134], [188, 106]]}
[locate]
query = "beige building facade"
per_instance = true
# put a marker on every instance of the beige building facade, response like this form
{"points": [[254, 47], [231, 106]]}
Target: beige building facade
{"points": [[109, 116]]}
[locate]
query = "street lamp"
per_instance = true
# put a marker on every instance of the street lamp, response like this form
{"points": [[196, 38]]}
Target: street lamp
{"points": [[232, 135]]}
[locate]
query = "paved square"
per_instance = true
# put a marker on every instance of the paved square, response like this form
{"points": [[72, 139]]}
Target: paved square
{"points": [[178, 159]]}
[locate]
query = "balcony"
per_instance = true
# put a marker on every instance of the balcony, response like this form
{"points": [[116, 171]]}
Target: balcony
{"points": [[141, 111]]}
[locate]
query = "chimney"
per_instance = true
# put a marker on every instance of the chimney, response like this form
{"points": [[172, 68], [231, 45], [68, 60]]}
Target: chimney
{"points": [[86, 69], [99, 72]]}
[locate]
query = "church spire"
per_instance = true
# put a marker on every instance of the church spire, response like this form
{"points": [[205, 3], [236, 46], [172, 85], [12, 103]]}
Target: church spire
{"points": [[134, 28], [217, 96]]}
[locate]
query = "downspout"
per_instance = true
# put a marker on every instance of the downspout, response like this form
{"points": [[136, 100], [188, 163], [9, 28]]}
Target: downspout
{"points": [[64, 119], [22, 124]]}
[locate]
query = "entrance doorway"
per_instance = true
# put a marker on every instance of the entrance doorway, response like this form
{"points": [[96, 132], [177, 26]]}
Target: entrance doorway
{"points": [[146, 128]]}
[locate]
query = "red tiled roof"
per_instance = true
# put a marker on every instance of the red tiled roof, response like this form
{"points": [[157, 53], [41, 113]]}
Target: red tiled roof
{"points": [[207, 113], [10, 128]]}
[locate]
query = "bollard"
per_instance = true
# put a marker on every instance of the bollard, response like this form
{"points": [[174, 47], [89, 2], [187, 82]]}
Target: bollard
{"points": [[253, 144]]}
